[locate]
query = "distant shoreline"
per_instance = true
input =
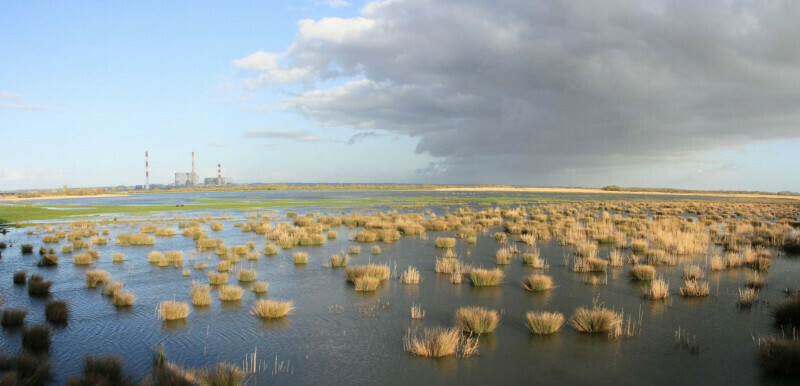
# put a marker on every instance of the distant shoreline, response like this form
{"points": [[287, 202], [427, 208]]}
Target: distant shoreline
{"points": [[61, 197], [601, 191]]}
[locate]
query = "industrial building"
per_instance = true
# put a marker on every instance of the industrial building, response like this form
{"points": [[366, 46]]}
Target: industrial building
{"points": [[184, 179], [214, 181]]}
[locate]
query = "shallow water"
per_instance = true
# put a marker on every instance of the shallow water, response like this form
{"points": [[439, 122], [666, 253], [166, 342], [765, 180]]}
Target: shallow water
{"points": [[339, 336]]}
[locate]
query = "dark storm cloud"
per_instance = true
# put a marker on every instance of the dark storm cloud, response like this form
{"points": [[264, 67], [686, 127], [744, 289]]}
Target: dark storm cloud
{"points": [[525, 86]]}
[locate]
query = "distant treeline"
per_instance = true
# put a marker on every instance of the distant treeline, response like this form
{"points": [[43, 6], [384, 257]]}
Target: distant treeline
{"points": [[615, 188]]}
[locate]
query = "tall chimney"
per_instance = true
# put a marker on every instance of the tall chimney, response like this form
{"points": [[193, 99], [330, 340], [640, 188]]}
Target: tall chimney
{"points": [[193, 179], [146, 170], [219, 174]]}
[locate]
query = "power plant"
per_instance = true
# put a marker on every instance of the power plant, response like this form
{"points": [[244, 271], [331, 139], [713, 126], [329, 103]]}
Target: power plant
{"points": [[186, 179]]}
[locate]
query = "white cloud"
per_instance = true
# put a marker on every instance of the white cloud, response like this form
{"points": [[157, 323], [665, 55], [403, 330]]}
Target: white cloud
{"points": [[293, 135], [334, 3], [15, 102]]}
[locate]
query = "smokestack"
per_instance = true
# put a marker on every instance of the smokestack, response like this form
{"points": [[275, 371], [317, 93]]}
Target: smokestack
{"points": [[219, 174], [193, 179], [146, 170]]}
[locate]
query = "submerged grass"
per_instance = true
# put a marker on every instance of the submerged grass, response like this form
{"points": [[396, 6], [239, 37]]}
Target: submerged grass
{"points": [[272, 309], [543, 323], [476, 320]]}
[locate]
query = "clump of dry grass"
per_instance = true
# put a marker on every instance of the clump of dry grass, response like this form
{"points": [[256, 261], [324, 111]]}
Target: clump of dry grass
{"points": [[200, 295], [333, 235], [638, 246], [445, 242], [658, 289], [230, 293], [260, 287], [747, 297], [366, 283], [13, 316], [20, 277], [272, 309], [56, 311], [165, 232], [96, 276], [693, 272], [504, 256], [643, 272], [486, 277], [270, 250], [216, 226], [38, 287], [476, 320], [590, 264], [410, 276], [595, 320], [134, 239], [98, 241], [223, 266], [376, 250], [615, 259], [779, 355], [246, 275], [36, 338], [112, 288], [215, 278], [544, 323], [694, 288], [501, 237], [124, 299], [586, 250], [432, 342], [117, 257], [716, 263], [354, 249], [66, 248], [339, 260], [536, 282], [380, 272], [82, 259], [300, 257], [448, 265], [155, 257], [417, 312], [173, 310]]}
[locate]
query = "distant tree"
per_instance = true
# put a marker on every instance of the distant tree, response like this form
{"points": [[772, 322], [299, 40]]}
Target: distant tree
{"points": [[611, 188]]}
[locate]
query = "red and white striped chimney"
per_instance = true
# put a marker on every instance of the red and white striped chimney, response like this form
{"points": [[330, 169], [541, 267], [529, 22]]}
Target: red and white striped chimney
{"points": [[219, 174], [146, 170]]}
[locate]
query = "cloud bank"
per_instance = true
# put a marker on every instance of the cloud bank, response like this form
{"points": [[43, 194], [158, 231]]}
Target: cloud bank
{"points": [[539, 87]]}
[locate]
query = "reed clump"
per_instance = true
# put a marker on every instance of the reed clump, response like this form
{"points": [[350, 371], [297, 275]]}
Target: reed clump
{"points": [[260, 287], [272, 309], [270, 250], [56, 311], [215, 278], [503, 256], [537, 283], [117, 257], [96, 276], [36, 338], [657, 290], [747, 297], [354, 249], [438, 342], [200, 295], [173, 310], [377, 271], [123, 299], [47, 260], [695, 288], [229, 293], [595, 320], [134, 239], [27, 249], [376, 249], [222, 374], [643, 272], [543, 323], [112, 288], [481, 277], [155, 257], [445, 242], [20, 277], [223, 266], [339, 260], [216, 226], [101, 370], [82, 259], [787, 313], [13, 317], [779, 355], [246, 275], [417, 312], [410, 276], [477, 320], [300, 257], [38, 287]]}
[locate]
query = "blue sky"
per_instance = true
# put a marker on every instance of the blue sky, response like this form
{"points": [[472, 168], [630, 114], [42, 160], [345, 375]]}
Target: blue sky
{"points": [[403, 91]]}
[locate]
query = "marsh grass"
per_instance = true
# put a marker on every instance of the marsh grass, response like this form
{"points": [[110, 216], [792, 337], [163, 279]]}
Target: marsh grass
{"points": [[270, 250], [300, 257], [417, 312], [695, 288], [657, 290], [693, 272], [410, 276], [56, 311], [38, 287], [172, 310], [222, 374], [215, 278], [339, 260], [123, 299], [376, 249], [477, 320], [438, 342], [377, 271], [333, 235], [595, 320], [134, 239], [445, 242], [112, 288], [271, 309], [26, 249], [787, 313], [13, 316], [366, 283], [354, 249], [216, 226], [503, 256], [98, 241], [155, 257], [643, 272], [36, 338], [246, 275], [223, 266], [66, 248], [779, 355], [96, 276], [747, 297], [20, 277], [543, 323], [615, 258], [481, 277], [200, 295], [447, 265], [536, 282], [101, 370], [47, 260], [260, 287], [229, 293], [117, 257], [82, 259]]}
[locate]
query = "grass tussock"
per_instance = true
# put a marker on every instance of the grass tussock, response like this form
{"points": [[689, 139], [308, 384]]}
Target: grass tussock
{"points": [[260, 287], [477, 320], [56, 311], [590, 264], [417, 312], [779, 355], [544, 323], [503, 256], [229, 293], [134, 239], [537, 283], [272, 309], [97, 276], [112, 288], [438, 342], [410, 276], [366, 283], [200, 295], [47, 260], [38, 287], [747, 297], [300, 257], [377, 271], [223, 266], [26, 249], [787, 313], [643, 272], [270, 250], [222, 374], [354, 249], [173, 310], [82, 259], [123, 299], [36, 338], [25, 369], [657, 290], [445, 242], [13, 317], [20, 277], [101, 370], [695, 288], [215, 278], [481, 277], [339, 260], [216, 226], [595, 320], [117, 257], [693, 272], [246, 275]]}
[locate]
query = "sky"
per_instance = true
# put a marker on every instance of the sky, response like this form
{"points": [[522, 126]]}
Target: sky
{"points": [[693, 95]]}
